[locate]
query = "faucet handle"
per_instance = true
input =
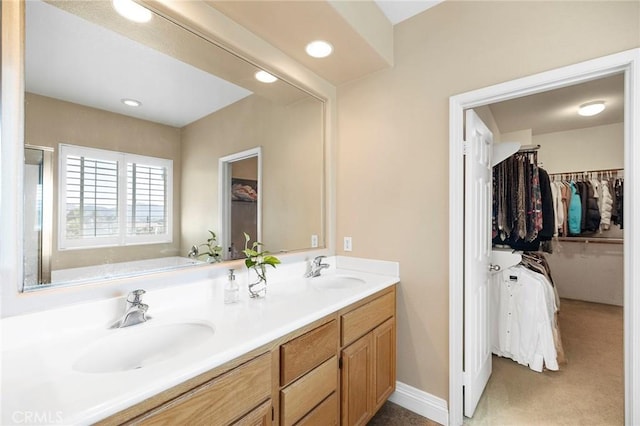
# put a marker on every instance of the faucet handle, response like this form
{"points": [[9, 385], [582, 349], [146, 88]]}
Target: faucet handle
{"points": [[318, 260], [136, 295]]}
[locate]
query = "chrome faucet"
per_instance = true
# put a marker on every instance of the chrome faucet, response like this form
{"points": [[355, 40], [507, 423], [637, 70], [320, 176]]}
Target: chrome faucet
{"points": [[193, 253], [316, 267], [136, 310]]}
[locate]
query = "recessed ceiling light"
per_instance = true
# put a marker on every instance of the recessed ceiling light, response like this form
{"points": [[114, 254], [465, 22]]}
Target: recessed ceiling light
{"points": [[131, 102], [319, 49], [132, 10], [591, 108], [265, 77]]}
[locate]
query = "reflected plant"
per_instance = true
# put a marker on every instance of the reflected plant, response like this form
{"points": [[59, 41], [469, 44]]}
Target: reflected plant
{"points": [[213, 250], [258, 260]]}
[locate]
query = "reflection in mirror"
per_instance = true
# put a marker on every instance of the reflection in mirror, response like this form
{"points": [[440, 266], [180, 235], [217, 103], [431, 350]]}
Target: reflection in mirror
{"points": [[240, 202], [196, 104], [38, 190]]}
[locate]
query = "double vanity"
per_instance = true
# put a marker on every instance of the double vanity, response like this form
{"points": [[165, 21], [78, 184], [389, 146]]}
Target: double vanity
{"points": [[315, 350]]}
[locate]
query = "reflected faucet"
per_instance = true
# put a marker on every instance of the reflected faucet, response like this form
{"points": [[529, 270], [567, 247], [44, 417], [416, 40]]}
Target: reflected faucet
{"points": [[136, 310], [193, 253], [316, 267]]}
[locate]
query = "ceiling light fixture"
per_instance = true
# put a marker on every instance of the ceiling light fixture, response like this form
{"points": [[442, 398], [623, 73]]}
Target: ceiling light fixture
{"points": [[131, 102], [591, 108], [265, 77], [319, 49], [132, 10]]}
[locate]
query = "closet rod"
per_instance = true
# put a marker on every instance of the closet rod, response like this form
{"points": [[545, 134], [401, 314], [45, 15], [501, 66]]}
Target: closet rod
{"points": [[592, 240], [586, 171], [529, 148]]}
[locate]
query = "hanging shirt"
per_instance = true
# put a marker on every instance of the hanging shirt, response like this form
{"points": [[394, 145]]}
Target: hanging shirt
{"points": [[522, 318]]}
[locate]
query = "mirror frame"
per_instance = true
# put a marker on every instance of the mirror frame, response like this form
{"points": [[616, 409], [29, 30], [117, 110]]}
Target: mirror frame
{"points": [[200, 19]]}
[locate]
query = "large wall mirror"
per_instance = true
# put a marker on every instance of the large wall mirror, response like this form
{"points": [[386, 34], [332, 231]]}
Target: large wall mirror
{"points": [[137, 116]]}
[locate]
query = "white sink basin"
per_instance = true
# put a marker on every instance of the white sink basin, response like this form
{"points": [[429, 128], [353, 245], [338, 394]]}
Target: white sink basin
{"points": [[336, 282], [141, 345]]}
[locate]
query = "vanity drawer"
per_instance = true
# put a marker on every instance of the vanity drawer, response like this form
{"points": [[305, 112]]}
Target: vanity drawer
{"points": [[324, 414], [304, 353], [361, 320], [221, 400], [303, 395]]}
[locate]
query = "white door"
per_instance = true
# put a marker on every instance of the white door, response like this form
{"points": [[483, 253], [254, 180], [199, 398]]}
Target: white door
{"points": [[477, 253]]}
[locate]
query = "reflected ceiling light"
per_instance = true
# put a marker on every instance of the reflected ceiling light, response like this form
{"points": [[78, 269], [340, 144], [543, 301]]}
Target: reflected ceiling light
{"points": [[319, 49], [265, 77], [132, 11], [591, 108], [131, 102]]}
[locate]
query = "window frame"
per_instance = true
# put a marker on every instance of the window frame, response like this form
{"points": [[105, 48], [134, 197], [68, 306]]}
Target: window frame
{"points": [[122, 238]]}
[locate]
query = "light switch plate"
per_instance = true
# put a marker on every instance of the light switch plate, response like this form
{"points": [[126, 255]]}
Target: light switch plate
{"points": [[314, 241], [347, 244]]}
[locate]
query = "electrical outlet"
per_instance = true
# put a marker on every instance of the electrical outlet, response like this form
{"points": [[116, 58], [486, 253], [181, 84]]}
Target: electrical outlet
{"points": [[348, 246], [314, 241]]}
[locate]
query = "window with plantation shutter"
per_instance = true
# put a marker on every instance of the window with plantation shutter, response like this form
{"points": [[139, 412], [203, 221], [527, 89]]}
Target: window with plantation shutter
{"points": [[110, 198]]}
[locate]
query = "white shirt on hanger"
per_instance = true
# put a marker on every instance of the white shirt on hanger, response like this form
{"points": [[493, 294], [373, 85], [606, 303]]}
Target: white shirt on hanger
{"points": [[522, 318]]}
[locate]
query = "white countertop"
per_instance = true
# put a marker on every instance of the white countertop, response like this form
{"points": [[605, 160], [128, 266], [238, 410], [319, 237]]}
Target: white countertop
{"points": [[40, 384]]}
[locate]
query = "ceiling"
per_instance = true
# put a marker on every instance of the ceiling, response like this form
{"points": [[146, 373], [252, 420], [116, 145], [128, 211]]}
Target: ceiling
{"points": [[101, 67], [288, 25], [557, 110], [397, 11]]}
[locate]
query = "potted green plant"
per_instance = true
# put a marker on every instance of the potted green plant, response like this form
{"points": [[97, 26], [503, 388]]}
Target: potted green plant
{"points": [[257, 259], [213, 251]]}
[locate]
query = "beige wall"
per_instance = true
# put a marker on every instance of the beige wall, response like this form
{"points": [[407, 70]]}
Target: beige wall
{"points": [[393, 148], [49, 122], [592, 148], [292, 168]]}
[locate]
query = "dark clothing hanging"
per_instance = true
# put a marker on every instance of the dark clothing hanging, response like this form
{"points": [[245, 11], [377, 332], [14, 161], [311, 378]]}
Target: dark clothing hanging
{"points": [[619, 191], [592, 221], [548, 216], [518, 206]]}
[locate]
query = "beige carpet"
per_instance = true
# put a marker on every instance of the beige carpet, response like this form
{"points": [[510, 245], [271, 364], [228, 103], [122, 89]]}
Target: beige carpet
{"points": [[587, 391]]}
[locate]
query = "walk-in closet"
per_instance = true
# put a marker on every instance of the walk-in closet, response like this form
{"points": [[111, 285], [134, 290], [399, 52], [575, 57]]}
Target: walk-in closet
{"points": [[557, 283]]}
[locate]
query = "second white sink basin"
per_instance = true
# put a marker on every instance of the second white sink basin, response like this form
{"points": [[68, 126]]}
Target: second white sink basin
{"points": [[336, 282], [141, 345]]}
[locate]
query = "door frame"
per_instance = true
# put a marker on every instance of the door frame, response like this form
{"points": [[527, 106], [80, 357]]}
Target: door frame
{"points": [[224, 196], [627, 62]]}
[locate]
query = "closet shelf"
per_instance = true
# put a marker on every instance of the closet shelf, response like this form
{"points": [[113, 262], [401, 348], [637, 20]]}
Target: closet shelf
{"points": [[592, 240]]}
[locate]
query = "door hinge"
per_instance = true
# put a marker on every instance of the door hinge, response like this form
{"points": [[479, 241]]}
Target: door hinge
{"points": [[465, 378], [465, 147]]}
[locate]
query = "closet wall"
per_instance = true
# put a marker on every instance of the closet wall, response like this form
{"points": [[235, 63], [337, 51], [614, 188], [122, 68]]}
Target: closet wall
{"points": [[586, 271]]}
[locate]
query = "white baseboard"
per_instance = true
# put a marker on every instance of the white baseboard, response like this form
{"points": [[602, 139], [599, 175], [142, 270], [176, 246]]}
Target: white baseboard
{"points": [[421, 402]]}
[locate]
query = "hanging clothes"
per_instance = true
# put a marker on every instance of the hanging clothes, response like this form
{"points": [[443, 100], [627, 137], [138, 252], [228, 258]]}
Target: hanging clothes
{"points": [[600, 199], [575, 210], [522, 323], [522, 203]]}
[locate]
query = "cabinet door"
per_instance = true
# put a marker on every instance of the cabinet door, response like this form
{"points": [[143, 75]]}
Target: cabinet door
{"points": [[357, 401], [384, 362]]}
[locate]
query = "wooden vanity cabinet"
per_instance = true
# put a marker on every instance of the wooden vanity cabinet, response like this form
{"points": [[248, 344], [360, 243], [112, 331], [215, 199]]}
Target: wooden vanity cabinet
{"points": [[338, 370], [368, 359]]}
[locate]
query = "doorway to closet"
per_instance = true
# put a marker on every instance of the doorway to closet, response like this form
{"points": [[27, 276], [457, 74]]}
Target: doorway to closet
{"points": [[581, 266], [625, 62]]}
